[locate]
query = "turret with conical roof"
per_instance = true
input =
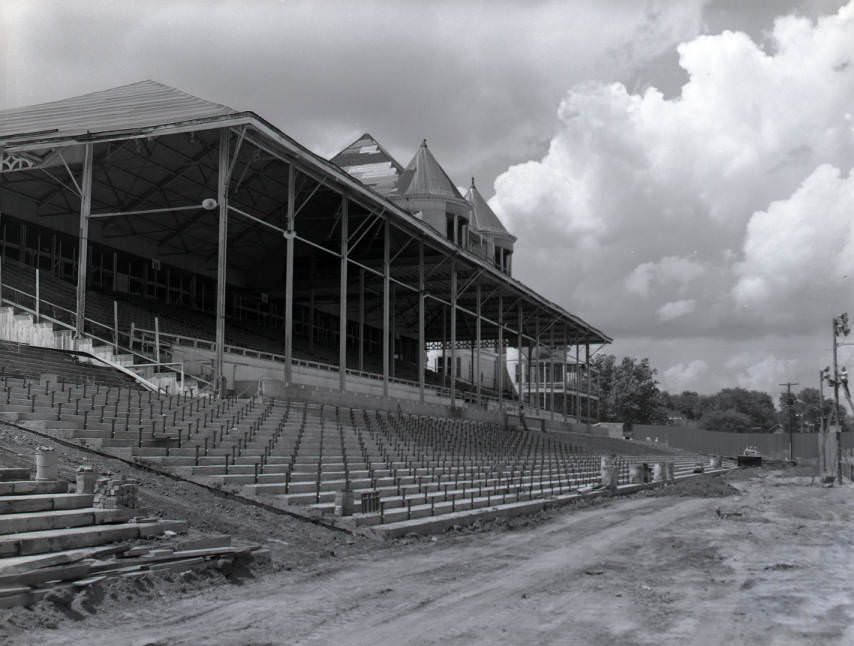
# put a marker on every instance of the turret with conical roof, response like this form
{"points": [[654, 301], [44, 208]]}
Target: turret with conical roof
{"points": [[489, 238], [425, 189]]}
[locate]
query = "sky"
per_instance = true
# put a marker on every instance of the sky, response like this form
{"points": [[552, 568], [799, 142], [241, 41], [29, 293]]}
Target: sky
{"points": [[677, 173]]}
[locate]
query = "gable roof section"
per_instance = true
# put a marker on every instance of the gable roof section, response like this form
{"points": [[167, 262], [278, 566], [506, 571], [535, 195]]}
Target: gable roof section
{"points": [[138, 105], [484, 217], [370, 163], [425, 177]]}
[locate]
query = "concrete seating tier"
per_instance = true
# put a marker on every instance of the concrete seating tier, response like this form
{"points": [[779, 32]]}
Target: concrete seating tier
{"points": [[303, 453], [27, 361], [41, 516]]}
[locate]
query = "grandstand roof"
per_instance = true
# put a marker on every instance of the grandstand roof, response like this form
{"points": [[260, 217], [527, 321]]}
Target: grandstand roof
{"points": [[484, 217], [156, 161], [138, 105]]}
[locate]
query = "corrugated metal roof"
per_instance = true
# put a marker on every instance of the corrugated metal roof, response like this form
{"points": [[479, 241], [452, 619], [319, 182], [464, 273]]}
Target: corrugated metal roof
{"points": [[142, 104], [370, 163], [484, 217], [424, 176]]}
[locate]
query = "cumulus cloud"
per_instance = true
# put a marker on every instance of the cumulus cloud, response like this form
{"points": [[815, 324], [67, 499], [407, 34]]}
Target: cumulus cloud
{"points": [[684, 376], [799, 253], [676, 309], [649, 194], [733, 198], [764, 373], [667, 272]]}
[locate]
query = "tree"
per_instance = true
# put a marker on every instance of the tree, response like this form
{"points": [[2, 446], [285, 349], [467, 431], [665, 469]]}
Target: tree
{"points": [[629, 391], [687, 404], [730, 420], [757, 406]]}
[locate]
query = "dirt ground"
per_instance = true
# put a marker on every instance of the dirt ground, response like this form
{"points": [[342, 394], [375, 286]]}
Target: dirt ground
{"points": [[768, 564]]}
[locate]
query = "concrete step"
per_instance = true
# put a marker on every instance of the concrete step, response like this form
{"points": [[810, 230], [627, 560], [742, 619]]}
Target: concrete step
{"points": [[55, 540], [60, 519], [17, 487], [44, 502], [8, 474]]}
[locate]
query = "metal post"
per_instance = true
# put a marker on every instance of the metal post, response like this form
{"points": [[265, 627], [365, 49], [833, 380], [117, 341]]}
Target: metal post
{"points": [[453, 369], [836, 409], [587, 375], [38, 297], [116, 326], [565, 375], [222, 260], [500, 353], [342, 307], [519, 354], [157, 339], [552, 371], [477, 331], [422, 303], [289, 277], [83, 250], [386, 308], [361, 319], [577, 382], [537, 368]]}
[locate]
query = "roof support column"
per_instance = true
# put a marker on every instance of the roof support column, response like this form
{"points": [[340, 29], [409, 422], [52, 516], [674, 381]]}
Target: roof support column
{"points": [[453, 370], [289, 277], [537, 369], [361, 319], [519, 358], [83, 252], [564, 352], [528, 372], [552, 371], [386, 309], [577, 384], [500, 366], [221, 257], [587, 374], [476, 360], [342, 301], [392, 295], [422, 302]]}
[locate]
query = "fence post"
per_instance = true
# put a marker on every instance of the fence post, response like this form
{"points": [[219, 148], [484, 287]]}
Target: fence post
{"points": [[116, 326], [38, 299]]}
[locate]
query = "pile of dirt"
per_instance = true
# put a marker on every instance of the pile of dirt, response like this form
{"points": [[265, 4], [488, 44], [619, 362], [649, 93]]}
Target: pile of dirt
{"points": [[108, 595], [707, 486]]}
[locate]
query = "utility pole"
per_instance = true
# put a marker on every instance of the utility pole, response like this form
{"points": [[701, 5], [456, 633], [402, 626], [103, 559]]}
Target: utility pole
{"points": [[840, 328], [790, 406]]}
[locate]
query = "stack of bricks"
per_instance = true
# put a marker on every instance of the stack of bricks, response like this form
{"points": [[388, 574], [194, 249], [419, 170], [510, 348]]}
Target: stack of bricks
{"points": [[115, 493]]}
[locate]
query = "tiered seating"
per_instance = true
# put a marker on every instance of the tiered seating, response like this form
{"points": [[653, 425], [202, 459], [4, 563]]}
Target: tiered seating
{"points": [[58, 302], [30, 362], [398, 466], [40, 516]]}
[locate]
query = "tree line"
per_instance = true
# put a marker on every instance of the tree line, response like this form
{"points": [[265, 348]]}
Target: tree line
{"points": [[629, 392]]}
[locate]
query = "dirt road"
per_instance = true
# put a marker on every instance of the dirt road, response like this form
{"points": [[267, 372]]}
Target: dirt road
{"points": [[770, 566]]}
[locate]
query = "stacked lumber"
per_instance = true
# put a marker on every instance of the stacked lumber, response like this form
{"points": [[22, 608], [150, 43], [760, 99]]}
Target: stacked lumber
{"points": [[25, 580]]}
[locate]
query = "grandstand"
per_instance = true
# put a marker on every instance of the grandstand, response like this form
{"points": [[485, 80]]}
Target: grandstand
{"points": [[268, 313]]}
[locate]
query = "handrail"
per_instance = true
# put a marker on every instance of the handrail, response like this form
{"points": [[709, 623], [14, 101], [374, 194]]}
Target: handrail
{"points": [[113, 344]]}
